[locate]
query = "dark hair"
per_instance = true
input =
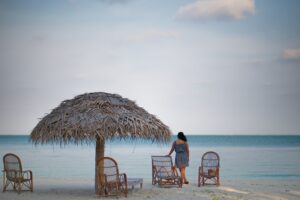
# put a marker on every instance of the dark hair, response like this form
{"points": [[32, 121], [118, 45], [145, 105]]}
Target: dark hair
{"points": [[181, 136]]}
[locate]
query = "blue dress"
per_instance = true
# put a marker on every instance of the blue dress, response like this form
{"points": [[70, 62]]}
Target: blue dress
{"points": [[181, 157]]}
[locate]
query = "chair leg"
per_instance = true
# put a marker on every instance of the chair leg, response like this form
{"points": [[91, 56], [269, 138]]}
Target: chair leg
{"points": [[159, 182], [125, 191], [3, 181], [180, 182], [199, 177], [19, 187], [31, 185], [117, 189], [5, 184]]}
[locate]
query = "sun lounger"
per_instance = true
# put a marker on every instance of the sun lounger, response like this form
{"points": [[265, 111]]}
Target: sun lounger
{"points": [[163, 172], [14, 175], [209, 169], [111, 182]]}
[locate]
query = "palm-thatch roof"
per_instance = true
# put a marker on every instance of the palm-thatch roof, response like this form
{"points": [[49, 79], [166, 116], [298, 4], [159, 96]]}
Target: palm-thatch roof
{"points": [[102, 115]]}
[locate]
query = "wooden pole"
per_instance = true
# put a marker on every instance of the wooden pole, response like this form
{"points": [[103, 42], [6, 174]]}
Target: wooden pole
{"points": [[100, 144]]}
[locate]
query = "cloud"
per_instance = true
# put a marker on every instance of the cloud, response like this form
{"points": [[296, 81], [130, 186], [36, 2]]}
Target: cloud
{"points": [[291, 54], [217, 9]]}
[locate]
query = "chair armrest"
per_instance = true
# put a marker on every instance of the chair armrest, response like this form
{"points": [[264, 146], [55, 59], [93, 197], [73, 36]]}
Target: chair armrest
{"points": [[102, 178], [201, 169], [218, 171], [154, 169], [28, 172], [123, 182], [123, 178]]}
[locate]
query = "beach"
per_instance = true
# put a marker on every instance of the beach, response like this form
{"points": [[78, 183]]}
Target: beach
{"points": [[252, 167], [65, 189]]}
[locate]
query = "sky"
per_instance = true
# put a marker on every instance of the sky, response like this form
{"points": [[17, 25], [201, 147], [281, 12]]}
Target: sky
{"points": [[201, 66]]}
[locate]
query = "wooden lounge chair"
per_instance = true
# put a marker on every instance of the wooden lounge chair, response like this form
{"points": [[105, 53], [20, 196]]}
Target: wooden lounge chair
{"points": [[110, 181], [209, 169], [164, 173], [14, 175]]}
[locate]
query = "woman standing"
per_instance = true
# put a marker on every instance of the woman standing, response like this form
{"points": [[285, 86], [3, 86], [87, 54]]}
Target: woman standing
{"points": [[182, 156]]}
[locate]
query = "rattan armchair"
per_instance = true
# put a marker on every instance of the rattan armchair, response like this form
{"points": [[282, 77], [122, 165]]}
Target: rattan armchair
{"points": [[209, 169], [14, 175], [164, 173], [110, 181]]}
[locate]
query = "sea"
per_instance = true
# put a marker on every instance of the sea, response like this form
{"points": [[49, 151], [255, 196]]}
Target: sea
{"points": [[242, 157]]}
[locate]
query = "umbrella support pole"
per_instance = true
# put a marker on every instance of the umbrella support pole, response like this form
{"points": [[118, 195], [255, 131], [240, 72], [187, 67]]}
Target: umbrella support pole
{"points": [[98, 154]]}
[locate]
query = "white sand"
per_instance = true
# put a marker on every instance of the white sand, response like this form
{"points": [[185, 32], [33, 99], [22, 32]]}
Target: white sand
{"points": [[47, 189]]}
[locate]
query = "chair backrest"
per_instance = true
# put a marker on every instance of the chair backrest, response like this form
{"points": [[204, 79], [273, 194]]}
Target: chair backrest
{"points": [[12, 162], [109, 167], [210, 160], [163, 165]]}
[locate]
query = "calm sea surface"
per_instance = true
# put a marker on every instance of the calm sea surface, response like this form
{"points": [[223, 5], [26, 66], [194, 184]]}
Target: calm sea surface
{"points": [[242, 157]]}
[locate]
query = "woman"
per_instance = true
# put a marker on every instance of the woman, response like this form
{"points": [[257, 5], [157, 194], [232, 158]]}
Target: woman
{"points": [[182, 156]]}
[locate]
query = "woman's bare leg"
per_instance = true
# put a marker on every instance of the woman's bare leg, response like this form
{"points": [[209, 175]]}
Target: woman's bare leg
{"points": [[182, 172]]}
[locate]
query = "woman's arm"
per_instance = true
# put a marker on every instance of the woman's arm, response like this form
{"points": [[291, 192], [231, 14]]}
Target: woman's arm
{"points": [[188, 150], [172, 149]]}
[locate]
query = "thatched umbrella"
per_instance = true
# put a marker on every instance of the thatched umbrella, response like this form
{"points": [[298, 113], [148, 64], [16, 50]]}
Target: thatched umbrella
{"points": [[96, 117]]}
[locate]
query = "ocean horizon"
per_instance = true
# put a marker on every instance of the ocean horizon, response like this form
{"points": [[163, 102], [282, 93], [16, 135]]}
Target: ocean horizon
{"points": [[272, 157]]}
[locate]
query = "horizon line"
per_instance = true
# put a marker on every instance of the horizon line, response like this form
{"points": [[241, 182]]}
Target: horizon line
{"points": [[206, 134]]}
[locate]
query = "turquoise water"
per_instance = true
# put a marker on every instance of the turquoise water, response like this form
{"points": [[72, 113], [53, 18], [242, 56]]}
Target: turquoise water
{"points": [[242, 157]]}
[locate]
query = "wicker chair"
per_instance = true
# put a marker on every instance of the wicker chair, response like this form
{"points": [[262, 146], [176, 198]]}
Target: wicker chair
{"points": [[209, 169], [110, 181], [14, 175], [164, 173]]}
